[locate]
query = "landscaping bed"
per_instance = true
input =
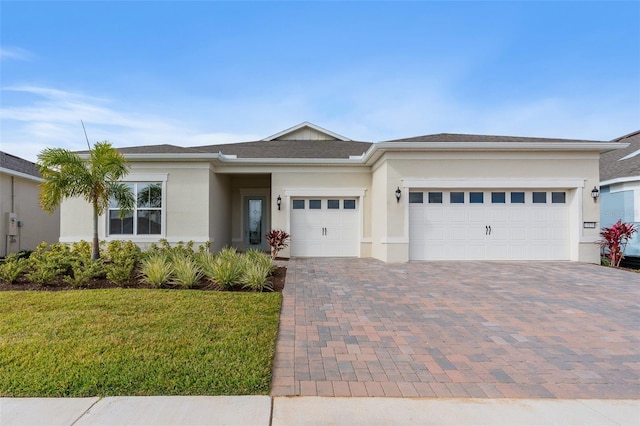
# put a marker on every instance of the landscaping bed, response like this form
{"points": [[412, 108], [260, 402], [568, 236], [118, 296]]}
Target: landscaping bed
{"points": [[277, 280]]}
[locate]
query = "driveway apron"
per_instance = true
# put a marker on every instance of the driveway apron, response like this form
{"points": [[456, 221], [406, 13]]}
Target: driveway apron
{"points": [[362, 327]]}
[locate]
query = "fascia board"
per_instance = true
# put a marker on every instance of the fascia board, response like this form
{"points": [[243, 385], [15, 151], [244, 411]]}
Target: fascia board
{"points": [[20, 175], [166, 157], [378, 148], [294, 161], [620, 180]]}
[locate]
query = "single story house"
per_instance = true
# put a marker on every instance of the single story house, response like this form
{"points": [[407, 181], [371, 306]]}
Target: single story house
{"points": [[23, 224], [620, 189], [434, 197]]}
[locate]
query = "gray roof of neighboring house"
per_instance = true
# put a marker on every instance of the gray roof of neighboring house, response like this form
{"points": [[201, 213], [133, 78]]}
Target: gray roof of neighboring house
{"points": [[621, 163], [17, 164], [456, 137]]}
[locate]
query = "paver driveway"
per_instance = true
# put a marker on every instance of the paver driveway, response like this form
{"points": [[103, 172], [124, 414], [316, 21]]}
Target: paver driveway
{"points": [[362, 327]]}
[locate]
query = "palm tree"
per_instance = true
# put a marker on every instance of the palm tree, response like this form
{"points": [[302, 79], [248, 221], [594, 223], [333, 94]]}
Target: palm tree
{"points": [[96, 179]]}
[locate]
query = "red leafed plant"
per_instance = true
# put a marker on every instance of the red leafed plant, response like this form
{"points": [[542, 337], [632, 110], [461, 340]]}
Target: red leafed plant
{"points": [[615, 240], [277, 240]]}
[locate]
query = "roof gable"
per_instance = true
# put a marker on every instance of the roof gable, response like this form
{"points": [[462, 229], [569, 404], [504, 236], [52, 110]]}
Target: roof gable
{"points": [[306, 132]]}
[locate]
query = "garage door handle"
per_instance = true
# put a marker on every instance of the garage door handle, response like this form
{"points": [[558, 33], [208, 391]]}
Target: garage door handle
{"points": [[486, 230], [489, 229]]}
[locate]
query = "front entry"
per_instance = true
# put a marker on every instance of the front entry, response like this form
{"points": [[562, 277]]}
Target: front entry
{"points": [[255, 222]]}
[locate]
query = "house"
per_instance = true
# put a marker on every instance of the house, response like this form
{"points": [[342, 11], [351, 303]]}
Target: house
{"points": [[434, 197], [23, 224], [620, 189]]}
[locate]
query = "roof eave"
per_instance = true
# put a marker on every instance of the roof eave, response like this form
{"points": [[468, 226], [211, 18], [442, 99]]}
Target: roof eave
{"points": [[22, 175], [620, 180]]}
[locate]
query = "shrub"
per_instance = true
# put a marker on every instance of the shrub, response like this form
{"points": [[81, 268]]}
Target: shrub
{"points": [[186, 271], [156, 270], [49, 261], [122, 257], [254, 256], [277, 240], [614, 240], [256, 277], [12, 267], [83, 270], [226, 269]]}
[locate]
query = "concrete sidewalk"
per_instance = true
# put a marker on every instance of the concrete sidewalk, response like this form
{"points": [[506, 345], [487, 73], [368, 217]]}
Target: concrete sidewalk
{"points": [[280, 411]]}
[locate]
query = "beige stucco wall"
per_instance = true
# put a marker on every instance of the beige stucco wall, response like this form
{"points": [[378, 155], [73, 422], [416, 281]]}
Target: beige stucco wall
{"points": [[185, 212], [37, 227], [315, 180], [219, 214], [390, 242]]}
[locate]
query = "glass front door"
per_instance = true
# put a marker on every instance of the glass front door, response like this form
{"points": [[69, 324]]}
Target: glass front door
{"points": [[255, 226]]}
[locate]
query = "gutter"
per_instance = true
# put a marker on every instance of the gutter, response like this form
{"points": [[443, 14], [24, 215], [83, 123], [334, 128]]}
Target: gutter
{"points": [[11, 172]]}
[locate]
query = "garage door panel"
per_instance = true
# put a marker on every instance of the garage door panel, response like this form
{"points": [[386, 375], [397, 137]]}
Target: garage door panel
{"points": [[325, 231], [497, 231]]}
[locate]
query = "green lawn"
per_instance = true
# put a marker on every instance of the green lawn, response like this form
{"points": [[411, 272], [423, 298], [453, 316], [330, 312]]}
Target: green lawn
{"points": [[136, 342]]}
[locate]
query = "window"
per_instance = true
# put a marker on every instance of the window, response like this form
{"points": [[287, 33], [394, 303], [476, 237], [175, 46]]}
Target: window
{"points": [[349, 204], [435, 198], [517, 198], [298, 204], [315, 204], [146, 217], [539, 197], [416, 198], [456, 197], [476, 197], [498, 198], [558, 197], [333, 204]]}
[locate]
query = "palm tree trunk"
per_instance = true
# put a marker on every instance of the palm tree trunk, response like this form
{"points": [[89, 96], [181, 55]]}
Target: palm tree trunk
{"points": [[95, 252]]}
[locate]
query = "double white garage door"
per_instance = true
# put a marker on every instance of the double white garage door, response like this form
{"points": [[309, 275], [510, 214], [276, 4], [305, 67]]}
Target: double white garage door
{"points": [[488, 224], [324, 227]]}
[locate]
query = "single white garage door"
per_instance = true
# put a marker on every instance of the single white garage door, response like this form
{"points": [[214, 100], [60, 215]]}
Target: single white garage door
{"points": [[324, 227], [478, 224]]}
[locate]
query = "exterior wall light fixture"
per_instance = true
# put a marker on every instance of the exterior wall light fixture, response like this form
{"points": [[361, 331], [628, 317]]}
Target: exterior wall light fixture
{"points": [[279, 202], [398, 194], [595, 193]]}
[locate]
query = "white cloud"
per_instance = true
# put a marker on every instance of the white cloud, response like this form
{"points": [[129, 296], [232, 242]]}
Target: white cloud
{"points": [[42, 116], [15, 53]]}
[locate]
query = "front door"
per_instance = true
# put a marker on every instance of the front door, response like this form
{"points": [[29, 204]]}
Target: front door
{"points": [[255, 222]]}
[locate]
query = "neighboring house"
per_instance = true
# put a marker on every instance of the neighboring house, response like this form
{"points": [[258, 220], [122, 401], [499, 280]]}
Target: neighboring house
{"points": [[23, 224], [620, 189], [434, 197]]}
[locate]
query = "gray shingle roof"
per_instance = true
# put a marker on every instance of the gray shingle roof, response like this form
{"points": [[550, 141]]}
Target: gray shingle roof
{"points": [[290, 149], [612, 164], [153, 149], [17, 164], [456, 137]]}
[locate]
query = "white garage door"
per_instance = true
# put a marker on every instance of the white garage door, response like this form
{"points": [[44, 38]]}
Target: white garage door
{"points": [[324, 227], [488, 224]]}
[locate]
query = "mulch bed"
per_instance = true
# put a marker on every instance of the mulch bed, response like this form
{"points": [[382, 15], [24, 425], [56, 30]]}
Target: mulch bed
{"points": [[277, 280]]}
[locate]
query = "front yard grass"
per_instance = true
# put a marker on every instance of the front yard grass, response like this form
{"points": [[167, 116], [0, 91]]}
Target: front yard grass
{"points": [[136, 342]]}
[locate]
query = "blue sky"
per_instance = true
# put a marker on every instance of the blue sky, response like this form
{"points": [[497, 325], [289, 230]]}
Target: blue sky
{"points": [[205, 72]]}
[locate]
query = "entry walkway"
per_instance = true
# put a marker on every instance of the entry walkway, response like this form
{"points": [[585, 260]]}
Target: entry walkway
{"points": [[361, 327]]}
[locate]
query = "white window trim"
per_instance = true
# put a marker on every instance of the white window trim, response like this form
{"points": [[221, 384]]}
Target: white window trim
{"points": [[141, 178]]}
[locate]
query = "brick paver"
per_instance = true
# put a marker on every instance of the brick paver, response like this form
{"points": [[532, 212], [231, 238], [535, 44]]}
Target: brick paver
{"points": [[361, 327]]}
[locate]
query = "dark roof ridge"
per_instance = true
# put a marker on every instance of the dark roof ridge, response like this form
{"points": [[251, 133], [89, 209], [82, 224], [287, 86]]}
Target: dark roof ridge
{"points": [[467, 137], [630, 135]]}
